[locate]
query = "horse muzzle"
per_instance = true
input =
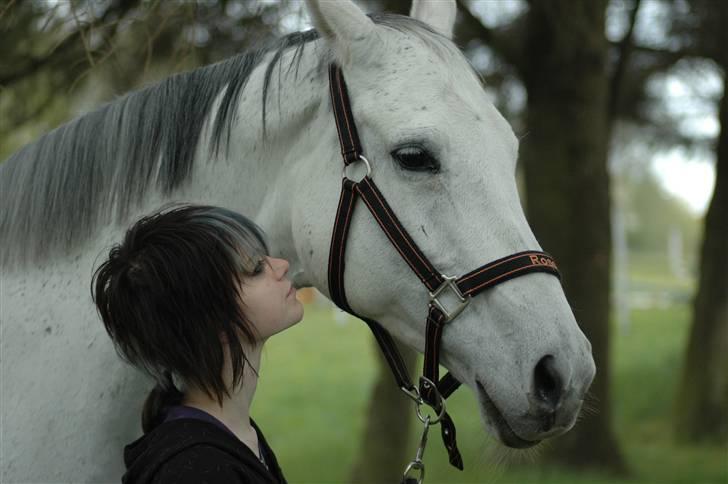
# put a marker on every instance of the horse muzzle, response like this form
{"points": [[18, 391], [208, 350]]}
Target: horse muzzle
{"points": [[553, 405]]}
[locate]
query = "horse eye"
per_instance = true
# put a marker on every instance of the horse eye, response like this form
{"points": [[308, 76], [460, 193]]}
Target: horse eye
{"points": [[415, 158]]}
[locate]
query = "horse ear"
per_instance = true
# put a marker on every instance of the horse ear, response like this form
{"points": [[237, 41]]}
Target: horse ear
{"points": [[438, 14], [339, 20]]}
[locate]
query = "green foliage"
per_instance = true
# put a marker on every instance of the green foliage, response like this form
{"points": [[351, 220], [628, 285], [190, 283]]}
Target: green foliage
{"points": [[316, 379], [651, 217], [654, 213], [58, 59]]}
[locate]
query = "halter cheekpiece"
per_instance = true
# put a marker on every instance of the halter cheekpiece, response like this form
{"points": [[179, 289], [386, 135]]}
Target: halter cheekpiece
{"points": [[431, 391]]}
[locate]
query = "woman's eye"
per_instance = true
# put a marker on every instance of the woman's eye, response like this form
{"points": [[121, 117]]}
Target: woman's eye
{"points": [[259, 267], [415, 158]]}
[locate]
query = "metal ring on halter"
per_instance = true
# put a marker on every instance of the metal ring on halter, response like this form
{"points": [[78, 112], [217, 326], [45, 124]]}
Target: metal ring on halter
{"points": [[418, 404], [366, 163]]}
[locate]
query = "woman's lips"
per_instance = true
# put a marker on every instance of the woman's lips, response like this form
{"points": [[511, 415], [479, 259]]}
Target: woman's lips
{"points": [[292, 290]]}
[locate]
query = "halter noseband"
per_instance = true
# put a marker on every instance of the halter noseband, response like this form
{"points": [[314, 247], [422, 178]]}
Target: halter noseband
{"points": [[432, 391]]}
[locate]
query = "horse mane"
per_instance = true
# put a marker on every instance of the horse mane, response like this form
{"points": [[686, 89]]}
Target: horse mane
{"points": [[55, 191]]}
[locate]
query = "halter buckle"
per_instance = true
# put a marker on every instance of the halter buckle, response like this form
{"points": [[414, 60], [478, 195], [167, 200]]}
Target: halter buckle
{"points": [[462, 301]]}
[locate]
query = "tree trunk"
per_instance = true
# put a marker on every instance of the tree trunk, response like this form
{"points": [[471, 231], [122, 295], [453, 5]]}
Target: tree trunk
{"points": [[567, 192], [702, 401], [384, 452]]}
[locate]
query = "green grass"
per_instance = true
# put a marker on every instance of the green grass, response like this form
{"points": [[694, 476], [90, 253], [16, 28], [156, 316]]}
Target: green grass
{"points": [[316, 379], [647, 369]]}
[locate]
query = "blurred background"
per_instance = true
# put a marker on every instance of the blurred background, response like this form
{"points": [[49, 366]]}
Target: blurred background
{"points": [[623, 122]]}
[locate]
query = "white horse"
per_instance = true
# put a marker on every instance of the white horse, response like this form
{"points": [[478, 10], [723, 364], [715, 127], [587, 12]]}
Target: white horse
{"points": [[440, 151]]}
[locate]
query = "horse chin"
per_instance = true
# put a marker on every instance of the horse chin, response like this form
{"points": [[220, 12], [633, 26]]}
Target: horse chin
{"points": [[498, 422]]}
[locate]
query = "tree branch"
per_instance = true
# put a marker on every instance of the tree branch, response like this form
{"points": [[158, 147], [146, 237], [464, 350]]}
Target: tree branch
{"points": [[625, 49], [6, 8], [506, 42], [58, 55]]}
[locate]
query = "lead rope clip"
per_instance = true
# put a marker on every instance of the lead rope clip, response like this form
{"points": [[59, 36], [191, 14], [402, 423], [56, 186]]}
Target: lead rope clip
{"points": [[415, 470]]}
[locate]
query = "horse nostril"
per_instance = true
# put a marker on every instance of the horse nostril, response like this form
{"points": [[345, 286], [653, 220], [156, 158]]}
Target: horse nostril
{"points": [[547, 383]]}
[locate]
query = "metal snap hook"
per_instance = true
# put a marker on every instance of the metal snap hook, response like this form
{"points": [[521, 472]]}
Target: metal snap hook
{"points": [[415, 471], [417, 466], [413, 393]]}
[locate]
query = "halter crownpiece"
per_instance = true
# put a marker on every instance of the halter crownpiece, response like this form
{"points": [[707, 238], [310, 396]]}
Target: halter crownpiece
{"points": [[432, 391]]}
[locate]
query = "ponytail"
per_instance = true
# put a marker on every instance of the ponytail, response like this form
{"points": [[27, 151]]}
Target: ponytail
{"points": [[163, 395]]}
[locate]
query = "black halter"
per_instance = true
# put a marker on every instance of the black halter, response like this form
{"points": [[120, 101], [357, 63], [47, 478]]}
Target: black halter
{"points": [[432, 390]]}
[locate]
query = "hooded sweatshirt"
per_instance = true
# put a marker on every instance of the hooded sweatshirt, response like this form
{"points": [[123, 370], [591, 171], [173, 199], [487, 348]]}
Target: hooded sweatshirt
{"points": [[192, 446]]}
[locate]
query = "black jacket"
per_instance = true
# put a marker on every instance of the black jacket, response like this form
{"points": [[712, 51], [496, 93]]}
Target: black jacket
{"points": [[189, 450]]}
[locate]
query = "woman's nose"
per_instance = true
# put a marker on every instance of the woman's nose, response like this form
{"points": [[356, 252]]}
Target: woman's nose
{"points": [[281, 266]]}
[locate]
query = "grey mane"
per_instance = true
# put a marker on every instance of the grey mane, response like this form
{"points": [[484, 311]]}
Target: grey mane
{"points": [[55, 191]]}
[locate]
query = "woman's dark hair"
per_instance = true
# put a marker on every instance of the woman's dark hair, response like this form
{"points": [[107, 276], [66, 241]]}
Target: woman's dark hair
{"points": [[171, 289]]}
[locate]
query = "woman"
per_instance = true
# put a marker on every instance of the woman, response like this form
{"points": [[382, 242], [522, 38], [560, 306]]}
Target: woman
{"points": [[190, 296]]}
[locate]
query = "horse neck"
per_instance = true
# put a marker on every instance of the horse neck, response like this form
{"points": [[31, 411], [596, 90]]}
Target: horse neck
{"points": [[262, 168]]}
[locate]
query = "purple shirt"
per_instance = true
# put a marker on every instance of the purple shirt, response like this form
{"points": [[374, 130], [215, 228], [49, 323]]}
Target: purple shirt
{"points": [[183, 411]]}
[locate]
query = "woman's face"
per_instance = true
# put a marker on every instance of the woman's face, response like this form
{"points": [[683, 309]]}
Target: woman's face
{"points": [[269, 298]]}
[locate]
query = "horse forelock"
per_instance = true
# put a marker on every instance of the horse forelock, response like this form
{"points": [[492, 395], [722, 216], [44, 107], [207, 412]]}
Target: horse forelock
{"points": [[56, 191]]}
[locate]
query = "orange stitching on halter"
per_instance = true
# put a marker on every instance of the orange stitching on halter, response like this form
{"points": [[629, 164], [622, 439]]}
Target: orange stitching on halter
{"points": [[490, 267], [391, 237], [341, 251], [396, 225], [346, 116], [433, 337], [435, 361], [333, 105], [437, 334], [499, 277], [333, 239]]}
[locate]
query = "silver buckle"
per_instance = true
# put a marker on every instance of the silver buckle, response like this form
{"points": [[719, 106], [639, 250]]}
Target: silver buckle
{"points": [[449, 282]]}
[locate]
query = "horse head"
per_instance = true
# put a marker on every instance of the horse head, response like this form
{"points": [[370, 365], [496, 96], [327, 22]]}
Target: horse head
{"points": [[445, 159]]}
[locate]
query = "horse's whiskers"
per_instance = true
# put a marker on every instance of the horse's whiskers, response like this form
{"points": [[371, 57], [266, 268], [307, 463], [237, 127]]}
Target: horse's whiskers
{"points": [[590, 406], [490, 465]]}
